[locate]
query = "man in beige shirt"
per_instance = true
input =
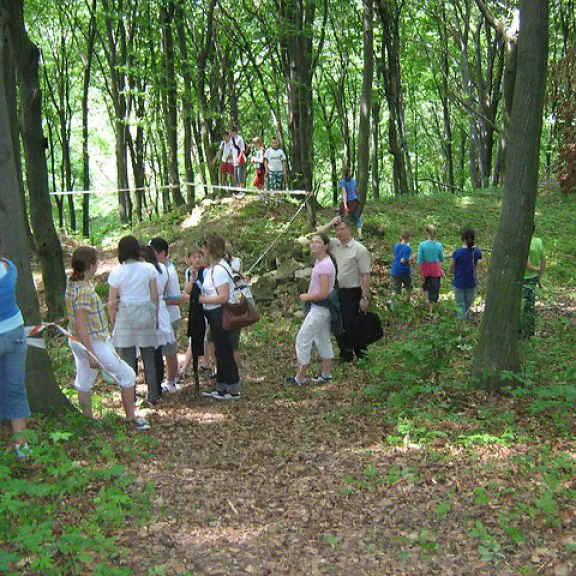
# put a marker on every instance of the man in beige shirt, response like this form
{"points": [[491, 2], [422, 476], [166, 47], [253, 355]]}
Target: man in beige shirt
{"points": [[354, 264]]}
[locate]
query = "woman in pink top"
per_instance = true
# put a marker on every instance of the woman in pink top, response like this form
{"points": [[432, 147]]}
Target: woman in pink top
{"points": [[316, 326]]}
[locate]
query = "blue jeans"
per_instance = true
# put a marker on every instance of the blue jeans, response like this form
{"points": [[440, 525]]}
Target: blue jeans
{"points": [[464, 300], [13, 400]]}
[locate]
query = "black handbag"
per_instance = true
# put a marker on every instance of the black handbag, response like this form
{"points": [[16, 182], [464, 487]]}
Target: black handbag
{"points": [[365, 329]]}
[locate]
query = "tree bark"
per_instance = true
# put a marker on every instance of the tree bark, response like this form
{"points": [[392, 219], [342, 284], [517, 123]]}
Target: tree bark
{"points": [[26, 55], [167, 12], [43, 391], [498, 347], [363, 171], [87, 74], [187, 110], [375, 168], [116, 54], [391, 71]]}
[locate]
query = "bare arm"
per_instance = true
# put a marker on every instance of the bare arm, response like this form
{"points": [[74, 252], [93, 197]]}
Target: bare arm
{"points": [[345, 199], [154, 296], [113, 297], [322, 294], [328, 226], [365, 285], [452, 266], [221, 297], [83, 334]]}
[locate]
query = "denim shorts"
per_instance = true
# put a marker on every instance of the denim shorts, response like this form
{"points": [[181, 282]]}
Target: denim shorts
{"points": [[13, 400]]}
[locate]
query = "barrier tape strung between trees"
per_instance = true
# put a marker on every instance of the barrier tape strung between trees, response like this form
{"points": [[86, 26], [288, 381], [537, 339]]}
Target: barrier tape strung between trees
{"points": [[183, 185], [33, 340]]}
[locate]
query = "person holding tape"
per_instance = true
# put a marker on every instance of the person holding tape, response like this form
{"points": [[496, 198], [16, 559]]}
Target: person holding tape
{"points": [[91, 346], [13, 400]]}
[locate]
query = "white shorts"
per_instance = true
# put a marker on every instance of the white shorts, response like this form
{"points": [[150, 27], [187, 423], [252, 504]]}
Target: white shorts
{"points": [[111, 362], [314, 330]]}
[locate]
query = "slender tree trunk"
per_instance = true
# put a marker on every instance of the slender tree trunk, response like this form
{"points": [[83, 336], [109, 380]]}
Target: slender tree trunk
{"points": [[363, 172], [87, 74], [116, 52], [498, 347], [187, 110], [171, 112], [43, 391], [375, 169], [391, 73], [12, 103], [26, 55]]}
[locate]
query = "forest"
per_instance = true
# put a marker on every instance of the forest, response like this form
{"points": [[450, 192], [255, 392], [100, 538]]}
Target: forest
{"points": [[450, 447]]}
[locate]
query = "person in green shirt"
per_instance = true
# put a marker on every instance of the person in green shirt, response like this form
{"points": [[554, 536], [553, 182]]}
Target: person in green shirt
{"points": [[535, 266]]}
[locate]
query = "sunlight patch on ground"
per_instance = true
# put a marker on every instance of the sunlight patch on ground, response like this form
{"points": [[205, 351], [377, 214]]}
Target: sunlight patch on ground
{"points": [[210, 536], [463, 201], [204, 417], [193, 219]]}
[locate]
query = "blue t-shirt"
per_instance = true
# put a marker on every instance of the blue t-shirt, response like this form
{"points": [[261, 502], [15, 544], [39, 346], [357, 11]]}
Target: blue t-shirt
{"points": [[401, 251], [350, 186], [465, 261]]}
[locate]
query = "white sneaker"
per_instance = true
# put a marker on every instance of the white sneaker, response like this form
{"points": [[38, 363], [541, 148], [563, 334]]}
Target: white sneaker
{"points": [[22, 451], [168, 386], [141, 424]]}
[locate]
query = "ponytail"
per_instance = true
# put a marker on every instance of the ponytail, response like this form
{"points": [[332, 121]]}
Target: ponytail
{"points": [[82, 259], [468, 237]]}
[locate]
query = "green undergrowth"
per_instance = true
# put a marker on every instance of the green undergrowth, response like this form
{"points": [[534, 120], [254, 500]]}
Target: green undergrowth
{"points": [[63, 510]]}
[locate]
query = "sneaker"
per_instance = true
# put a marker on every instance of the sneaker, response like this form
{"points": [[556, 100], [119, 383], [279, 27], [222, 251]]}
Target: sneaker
{"points": [[141, 424], [224, 396], [182, 374], [203, 368], [213, 376], [168, 386], [210, 393], [292, 380], [22, 451], [321, 379]]}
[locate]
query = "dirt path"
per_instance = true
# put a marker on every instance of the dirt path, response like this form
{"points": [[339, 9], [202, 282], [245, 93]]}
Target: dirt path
{"points": [[301, 482]]}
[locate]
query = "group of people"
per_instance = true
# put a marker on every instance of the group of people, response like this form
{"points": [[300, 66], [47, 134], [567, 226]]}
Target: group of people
{"points": [[144, 311], [270, 164]]}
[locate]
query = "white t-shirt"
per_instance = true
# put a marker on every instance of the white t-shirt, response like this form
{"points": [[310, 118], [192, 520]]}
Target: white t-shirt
{"points": [[236, 264], [173, 289], [226, 152], [132, 279], [239, 141], [215, 276], [275, 159]]}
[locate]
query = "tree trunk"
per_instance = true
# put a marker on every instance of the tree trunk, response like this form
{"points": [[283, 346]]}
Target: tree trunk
{"points": [[87, 73], [43, 391], [187, 111], [27, 55], [498, 347], [116, 54], [204, 53], [171, 111], [375, 169], [363, 171], [299, 64], [12, 108], [392, 75]]}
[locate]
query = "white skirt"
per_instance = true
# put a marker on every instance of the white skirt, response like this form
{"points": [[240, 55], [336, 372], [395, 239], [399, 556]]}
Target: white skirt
{"points": [[135, 326]]}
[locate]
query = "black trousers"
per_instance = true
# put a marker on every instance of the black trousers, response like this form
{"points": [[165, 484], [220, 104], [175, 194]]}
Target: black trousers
{"points": [[226, 370], [349, 309]]}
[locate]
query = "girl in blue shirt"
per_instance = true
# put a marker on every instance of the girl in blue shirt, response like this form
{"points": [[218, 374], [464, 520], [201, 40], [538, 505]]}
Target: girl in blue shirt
{"points": [[463, 266], [350, 204]]}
